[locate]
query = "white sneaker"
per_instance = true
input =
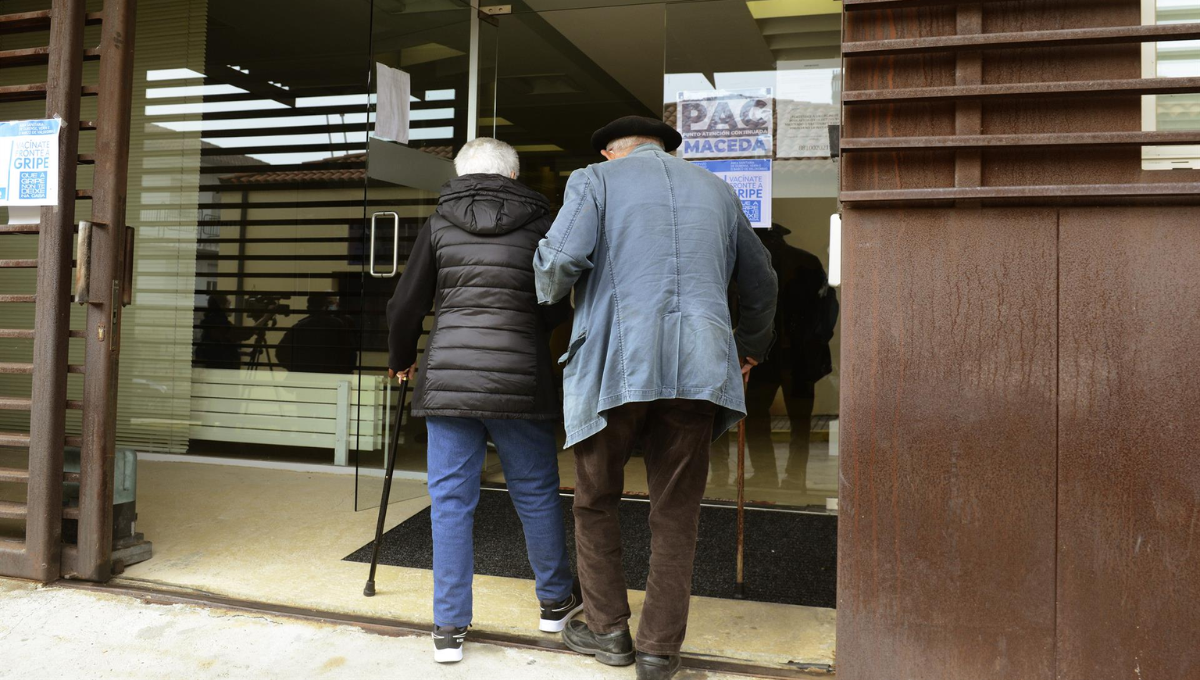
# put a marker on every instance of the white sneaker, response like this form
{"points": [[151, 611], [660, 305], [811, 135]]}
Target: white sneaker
{"points": [[555, 615], [448, 644]]}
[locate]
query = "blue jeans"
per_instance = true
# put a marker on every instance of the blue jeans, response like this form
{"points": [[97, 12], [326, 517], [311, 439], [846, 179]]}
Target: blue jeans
{"points": [[529, 456]]}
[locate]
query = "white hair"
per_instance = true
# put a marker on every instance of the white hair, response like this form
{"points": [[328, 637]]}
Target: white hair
{"points": [[487, 156], [623, 143]]}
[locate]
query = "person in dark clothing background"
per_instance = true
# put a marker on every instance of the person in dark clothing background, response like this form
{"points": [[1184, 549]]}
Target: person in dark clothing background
{"points": [[486, 372], [805, 317], [322, 342], [220, 341]]}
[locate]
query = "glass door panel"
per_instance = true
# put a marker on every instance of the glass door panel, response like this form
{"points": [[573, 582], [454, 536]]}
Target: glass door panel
{"points": [[735, 95], [564, 73], [432, 71], [561, 74], [248, 151]]}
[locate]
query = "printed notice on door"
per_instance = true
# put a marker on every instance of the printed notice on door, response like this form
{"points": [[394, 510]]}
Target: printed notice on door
{"points": [[726, 123], [807, 104], [751, 179], [29, 151]]}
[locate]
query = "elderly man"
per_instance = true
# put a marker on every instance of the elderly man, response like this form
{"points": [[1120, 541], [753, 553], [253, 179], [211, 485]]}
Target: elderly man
{"points": [[650, 243]]}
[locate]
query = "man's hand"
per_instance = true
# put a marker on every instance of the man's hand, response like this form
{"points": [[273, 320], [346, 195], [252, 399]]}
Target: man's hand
{"points": [[747, 364], [403, 375]]}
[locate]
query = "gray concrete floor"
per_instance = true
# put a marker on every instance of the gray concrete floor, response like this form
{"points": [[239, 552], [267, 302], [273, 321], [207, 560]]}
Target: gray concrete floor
{"points": [[51, 633]]}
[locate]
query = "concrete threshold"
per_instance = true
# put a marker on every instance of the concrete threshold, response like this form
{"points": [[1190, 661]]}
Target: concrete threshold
{"points": [[397, 628]]}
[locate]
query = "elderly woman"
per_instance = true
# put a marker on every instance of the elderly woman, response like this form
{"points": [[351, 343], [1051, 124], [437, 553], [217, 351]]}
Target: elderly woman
{"points": [[486, 371]]}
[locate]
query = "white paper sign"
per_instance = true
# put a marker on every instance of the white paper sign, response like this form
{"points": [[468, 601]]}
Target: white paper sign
{"points": [[807, 102], [29, 152], [392, 104], [804, 129], [726, 123], [751, 179]]}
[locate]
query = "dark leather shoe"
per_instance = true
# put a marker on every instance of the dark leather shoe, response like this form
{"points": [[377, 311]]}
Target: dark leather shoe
{"points": [[654, 667], [611, 649]]}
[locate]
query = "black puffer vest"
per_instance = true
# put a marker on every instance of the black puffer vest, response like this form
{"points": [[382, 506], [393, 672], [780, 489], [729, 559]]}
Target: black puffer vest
{"points": [[488, 354]]}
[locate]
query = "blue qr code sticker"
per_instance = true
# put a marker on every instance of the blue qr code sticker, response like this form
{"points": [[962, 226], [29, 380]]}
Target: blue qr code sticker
{"points": [[33, 185], [753, 210]]}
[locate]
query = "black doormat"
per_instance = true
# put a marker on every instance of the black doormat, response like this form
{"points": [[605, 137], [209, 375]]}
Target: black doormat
{"points": [[790, 558]]}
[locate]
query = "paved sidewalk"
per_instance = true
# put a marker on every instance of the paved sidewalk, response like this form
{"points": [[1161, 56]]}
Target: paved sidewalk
{"points": [[51, 633]]}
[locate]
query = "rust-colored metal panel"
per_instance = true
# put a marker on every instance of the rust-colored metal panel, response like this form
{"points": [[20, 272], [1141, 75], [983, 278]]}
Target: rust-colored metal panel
{"points": [[1023, 89], [92, 559], [900, 24], [37, 557], [909, 169], [947, 496], [52, 320], [1044, 15], [1129, 473], [948, 562], [1055, 37]]}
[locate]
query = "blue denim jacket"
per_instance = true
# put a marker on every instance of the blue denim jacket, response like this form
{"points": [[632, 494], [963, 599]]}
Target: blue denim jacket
{"points": [[650, 243]]}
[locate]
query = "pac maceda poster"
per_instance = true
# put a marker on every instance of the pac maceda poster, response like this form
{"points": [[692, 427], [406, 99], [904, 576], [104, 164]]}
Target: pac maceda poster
{"points": [[726, 123], [29, 152]]}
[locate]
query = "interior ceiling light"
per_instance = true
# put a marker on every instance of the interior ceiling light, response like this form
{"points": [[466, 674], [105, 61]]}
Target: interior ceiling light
{"points": [[770, 9]]}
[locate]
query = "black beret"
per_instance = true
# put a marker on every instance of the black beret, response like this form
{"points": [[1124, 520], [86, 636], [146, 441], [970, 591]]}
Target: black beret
{"points": [[636, 126]]}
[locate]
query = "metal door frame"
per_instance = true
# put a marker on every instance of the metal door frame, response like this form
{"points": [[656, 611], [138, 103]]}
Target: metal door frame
{"points": [[42, 556]]}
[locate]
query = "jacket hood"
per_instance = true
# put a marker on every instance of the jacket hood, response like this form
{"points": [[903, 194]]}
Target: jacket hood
{"points": [[490, 204]]}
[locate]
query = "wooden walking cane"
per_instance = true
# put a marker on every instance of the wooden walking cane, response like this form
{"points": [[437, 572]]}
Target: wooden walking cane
{"points": [[369, 590], [739, 592]]}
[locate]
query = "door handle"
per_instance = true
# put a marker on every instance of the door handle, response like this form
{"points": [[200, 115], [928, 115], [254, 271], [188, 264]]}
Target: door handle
{"points": [[395, 245], [84, 264]]}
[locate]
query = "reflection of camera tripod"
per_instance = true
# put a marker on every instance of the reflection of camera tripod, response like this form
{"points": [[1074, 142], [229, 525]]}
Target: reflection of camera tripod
{"points": [[260, 351]]}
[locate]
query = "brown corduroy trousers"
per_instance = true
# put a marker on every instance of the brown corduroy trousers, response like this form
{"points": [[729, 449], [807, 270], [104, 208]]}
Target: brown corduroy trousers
{"points": [[673, 436]]}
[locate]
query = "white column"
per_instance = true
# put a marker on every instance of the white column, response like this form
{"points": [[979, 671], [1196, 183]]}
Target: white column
{"points": [[341, 447], [473, 75]]}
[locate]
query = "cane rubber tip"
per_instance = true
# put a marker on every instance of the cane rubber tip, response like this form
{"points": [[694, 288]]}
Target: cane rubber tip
{"points": [[369, 590], [740, 592]]}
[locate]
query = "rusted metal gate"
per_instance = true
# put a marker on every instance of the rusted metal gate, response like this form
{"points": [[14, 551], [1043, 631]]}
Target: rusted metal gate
{"points": [[42, 555], [1019, 485]]}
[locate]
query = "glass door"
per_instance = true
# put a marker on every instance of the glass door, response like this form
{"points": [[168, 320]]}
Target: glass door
{"points": [[249, 153], [563, 73], [762, 96], [432, 75]]}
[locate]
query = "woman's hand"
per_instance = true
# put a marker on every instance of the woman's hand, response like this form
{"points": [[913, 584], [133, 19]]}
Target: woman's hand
{"points": [[403, 375]]}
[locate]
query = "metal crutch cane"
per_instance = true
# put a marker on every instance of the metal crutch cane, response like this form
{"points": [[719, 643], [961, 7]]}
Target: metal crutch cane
{"points": [[369, 590], [739, 592]]}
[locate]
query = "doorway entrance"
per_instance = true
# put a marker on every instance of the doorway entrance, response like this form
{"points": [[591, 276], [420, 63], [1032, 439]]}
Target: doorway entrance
{"points": [[548, 76]]}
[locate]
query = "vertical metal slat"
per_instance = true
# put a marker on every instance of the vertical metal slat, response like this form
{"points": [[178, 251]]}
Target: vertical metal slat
{"points": [[94, 554], [52, 314]]}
